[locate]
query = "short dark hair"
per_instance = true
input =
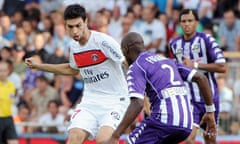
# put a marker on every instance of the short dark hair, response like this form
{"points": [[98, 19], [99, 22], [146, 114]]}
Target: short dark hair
{"points": [[228, 9], [56, 102], [75, 11], [188, 11], [42, 78]]}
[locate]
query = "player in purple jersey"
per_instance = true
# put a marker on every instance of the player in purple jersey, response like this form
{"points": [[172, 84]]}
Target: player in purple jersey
{"points": [[170, 121], [199, 51]]}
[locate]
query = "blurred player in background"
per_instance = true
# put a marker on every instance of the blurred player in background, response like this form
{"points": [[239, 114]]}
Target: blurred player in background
{"points": [[199, 51]]}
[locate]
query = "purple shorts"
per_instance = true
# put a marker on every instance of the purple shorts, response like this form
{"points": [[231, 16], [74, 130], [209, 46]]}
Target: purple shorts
{"points": [[199, 111], [152, 133]]}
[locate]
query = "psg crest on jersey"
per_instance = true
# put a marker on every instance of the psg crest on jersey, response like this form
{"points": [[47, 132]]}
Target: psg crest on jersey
{"points": [[94, 57]]}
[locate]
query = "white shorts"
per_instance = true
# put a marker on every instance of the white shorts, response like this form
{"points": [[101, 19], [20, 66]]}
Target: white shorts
{"points": [[92, 116]]}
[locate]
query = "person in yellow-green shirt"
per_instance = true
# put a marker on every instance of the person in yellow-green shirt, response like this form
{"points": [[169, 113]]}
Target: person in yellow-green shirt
{"points": [[8, 133]]}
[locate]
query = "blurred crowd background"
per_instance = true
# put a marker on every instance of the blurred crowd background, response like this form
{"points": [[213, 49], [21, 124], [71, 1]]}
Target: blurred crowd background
{"points": [[36, 28]]}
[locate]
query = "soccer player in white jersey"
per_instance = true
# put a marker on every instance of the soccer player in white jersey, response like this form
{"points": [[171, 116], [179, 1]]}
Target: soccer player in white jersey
{"points": [[99, 59], [199, 51]]}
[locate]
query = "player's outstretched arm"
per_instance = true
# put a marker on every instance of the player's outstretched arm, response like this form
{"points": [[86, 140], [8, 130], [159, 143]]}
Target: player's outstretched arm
{"points": [[62, 69], [132, 112]]}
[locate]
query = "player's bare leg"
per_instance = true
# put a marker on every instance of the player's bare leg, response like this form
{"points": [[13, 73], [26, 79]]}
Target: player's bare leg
{"points": [[12, 141], [77, 136], [191, 138], [104, 134], [209, 138]]}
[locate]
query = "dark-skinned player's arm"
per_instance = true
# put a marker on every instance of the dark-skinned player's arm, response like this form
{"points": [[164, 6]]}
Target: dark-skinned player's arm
{"points": [[133, 110], [191, 75], [208, 117]]}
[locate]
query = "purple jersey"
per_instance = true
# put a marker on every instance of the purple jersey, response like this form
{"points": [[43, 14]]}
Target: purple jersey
{"points": [[161, 79], [202, 48]]}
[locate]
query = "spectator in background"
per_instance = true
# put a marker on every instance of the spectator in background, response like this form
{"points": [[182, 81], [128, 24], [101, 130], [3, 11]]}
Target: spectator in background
{"points": [[11, 6], [17, 81], [52, 121], [208, 28], [190, 4], [115, 22], [165, 6], [50, 45], [40, 96], [18, 64], [29, 32], [38, 47], [225, 106], [137, 12], [127, 26], [5, 23], [19, 51], [31, 4], [225, 95], [34, 16], [164, 19], [205, 11], [47, 6], [71, 90], [153, 31], [58, 57], [173, 22], [6, 53], [102, 22], [22, 116], [3, 41], [61, 38], [31, 74], [20, 41], [235, 127], [236, 91], [229, 31], [7, 94], [46, 24], [17, 18], [56, 17]]}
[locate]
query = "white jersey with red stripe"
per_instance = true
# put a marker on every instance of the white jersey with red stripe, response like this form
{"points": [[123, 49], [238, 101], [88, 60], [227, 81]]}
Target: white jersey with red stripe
{"points": [[100, 64]]}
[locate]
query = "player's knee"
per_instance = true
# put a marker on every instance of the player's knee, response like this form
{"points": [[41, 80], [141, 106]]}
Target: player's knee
{"points": [[190, 139], [76, 137], [102, 140]]}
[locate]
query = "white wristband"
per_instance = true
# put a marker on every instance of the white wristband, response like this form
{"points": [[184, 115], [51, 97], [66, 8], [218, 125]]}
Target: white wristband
{"points": [[210, 108], [195, 65]]}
